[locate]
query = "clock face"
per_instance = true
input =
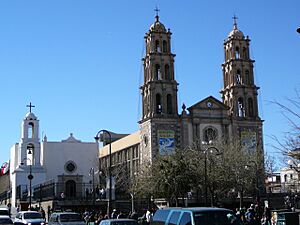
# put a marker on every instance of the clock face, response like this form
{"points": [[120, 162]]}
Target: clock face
{"points": [[209, 104]]}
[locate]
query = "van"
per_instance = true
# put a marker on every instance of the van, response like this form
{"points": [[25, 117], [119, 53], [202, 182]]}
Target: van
{"points": [[66, 218], [195, 216]]}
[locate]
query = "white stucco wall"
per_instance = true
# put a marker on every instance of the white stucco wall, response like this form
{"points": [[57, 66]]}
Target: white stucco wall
{"points": [[57, 154]]}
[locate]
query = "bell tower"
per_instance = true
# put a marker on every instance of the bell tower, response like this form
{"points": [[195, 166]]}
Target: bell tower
{"points": [[239, 91], [159, 91], [240, 95], [159, 122]]}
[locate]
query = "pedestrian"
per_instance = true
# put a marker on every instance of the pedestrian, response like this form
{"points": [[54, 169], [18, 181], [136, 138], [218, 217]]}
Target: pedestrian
{"points": [[114, 214], [250, 215], [149, 216], [121, 215]]}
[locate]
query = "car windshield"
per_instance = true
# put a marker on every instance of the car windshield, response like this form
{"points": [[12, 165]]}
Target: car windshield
{"points": [[70, 217], [124, 223], [215, 217], [5, 221], [33, 215], [4, 212]]}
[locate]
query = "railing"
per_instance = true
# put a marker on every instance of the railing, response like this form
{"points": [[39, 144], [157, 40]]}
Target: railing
{"points": [[57, 191]]}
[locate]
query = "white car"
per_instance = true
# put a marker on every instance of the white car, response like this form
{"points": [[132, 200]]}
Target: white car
{"points": [[66, 218], [29, 217], [4, 212]]}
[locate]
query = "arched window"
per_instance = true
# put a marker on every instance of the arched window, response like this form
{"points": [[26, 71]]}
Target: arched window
{"points": [[241, 108], [157, 72], [30, 153], [250, 107], [210, 134], [157, 47], [247, 77], [30, 130], [158, 104], [285, 178], [237, 52], [238, 77], [165, 46], [169, 104], [167, 72], [70, 189], [245, 53]]}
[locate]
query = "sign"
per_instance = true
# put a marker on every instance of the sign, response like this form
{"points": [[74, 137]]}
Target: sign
{"points": [[248, 139], [166, 139]]}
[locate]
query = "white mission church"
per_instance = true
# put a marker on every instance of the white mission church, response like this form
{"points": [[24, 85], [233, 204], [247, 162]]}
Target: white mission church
{"points": [[68, 162]]}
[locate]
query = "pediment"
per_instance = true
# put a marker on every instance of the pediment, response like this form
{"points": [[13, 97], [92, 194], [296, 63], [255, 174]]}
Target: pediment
{"points": [[209, 103], [71, 139]]}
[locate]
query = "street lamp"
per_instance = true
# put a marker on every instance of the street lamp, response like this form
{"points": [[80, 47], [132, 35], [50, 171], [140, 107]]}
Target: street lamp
{"points": [[30, 177], [207, 149], [256, 180], [92, 173], [97, 138]]}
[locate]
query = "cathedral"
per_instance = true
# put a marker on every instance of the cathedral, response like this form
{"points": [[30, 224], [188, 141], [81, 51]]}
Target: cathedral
{"points": [[162, 128]]}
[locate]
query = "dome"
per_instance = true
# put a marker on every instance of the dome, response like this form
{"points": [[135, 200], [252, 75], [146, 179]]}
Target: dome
{"points": [[30, 116], [157, 26], [236, 32]]}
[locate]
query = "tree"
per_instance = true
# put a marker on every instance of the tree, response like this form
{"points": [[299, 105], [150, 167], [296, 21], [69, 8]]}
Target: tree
{"points": [[291, 111], [170, 176]]}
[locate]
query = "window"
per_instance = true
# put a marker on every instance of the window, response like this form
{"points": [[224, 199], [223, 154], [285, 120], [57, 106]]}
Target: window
{"points": [[245, 53], [158, 104], [210, 134], [237, 52], [30, 130], [285, 178], [165, 47], [250, 107], [247, 77], [174, 218], [185, 219], [160, 217], [169, 104], [157, 47], [167, 72], [241, 108], [70, 167], [238, 77], [157, 72]]}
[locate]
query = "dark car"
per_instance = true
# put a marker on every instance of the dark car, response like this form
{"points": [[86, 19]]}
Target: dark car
{"points": [[195, 216], [119, 222], [5, 220]]}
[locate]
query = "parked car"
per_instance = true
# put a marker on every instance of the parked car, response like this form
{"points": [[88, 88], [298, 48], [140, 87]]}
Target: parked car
{"points": [[66, 218], [195, 216], [29, 217], [119, 222], [5, 220], [4, 212]]}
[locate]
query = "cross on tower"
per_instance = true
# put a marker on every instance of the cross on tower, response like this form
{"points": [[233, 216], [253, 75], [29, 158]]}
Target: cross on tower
{"points": [[30, 106], [234, 20], [156, 10]]}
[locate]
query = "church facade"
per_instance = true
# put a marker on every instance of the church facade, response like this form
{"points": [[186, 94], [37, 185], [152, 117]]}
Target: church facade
{"points": [[162, 128], [59, 170]]}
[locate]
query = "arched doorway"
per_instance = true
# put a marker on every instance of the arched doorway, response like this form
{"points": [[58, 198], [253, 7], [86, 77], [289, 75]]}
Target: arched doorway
{"points": [[70, 189]]}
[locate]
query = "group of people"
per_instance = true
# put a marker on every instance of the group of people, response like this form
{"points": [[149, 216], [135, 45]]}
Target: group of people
{"points": [[253, 216], [97, 217]]}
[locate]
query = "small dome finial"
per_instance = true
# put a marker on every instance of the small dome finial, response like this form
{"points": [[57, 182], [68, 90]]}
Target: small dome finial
{"points": [[234, 22], [156, 16]]}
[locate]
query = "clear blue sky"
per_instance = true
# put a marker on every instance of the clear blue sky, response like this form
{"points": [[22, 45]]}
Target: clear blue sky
{"points": [[79, 61]]}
